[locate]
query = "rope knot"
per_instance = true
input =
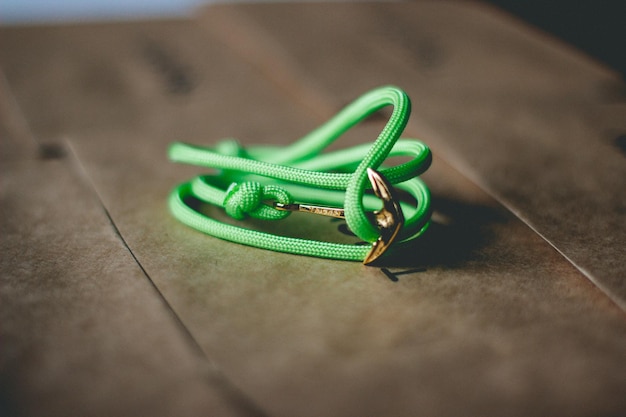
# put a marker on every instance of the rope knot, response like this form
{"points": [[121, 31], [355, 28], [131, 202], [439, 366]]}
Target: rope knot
{"points": [[248, 199]]}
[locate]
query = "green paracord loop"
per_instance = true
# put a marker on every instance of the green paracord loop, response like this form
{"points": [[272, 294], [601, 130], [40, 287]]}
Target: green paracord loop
{"points": [[246, 179]]}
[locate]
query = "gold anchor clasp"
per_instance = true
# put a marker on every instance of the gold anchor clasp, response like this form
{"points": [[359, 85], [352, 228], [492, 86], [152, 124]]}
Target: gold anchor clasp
{"points": [[389, 219]]}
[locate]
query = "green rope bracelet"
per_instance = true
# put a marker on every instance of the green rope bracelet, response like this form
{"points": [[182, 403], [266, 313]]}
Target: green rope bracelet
{"points": [[266, 182]]}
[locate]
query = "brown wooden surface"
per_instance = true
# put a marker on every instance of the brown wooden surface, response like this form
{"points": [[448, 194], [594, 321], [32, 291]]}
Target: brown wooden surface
{"points": [[528, 119], [483, 317], [82, 329]]}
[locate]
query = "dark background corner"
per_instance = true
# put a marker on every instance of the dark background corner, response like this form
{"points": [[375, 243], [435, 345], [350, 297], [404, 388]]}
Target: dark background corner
{"points": [[597, 28]]}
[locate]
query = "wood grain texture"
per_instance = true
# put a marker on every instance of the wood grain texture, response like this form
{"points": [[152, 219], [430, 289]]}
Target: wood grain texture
{"points": [[482, 317], [16, 140], [82, 329]]}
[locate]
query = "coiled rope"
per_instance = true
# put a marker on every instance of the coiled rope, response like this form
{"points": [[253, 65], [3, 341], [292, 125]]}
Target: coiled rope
{"points": [[248, 178]]}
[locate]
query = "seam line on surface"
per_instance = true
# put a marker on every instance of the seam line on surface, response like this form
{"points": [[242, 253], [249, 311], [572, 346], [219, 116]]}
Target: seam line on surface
{"points": [[83, 172], [306, 93], [239, 398]]}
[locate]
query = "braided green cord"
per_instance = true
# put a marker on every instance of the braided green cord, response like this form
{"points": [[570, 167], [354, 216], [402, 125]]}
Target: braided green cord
{"points": [[262, 240], [304, 175]]}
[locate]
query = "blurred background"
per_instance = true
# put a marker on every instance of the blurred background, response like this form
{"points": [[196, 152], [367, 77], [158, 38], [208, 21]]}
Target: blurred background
{"points": [[595, 27]]}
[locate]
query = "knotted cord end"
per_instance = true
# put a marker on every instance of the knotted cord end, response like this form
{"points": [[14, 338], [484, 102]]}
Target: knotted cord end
{"points": [[248, 199]]}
